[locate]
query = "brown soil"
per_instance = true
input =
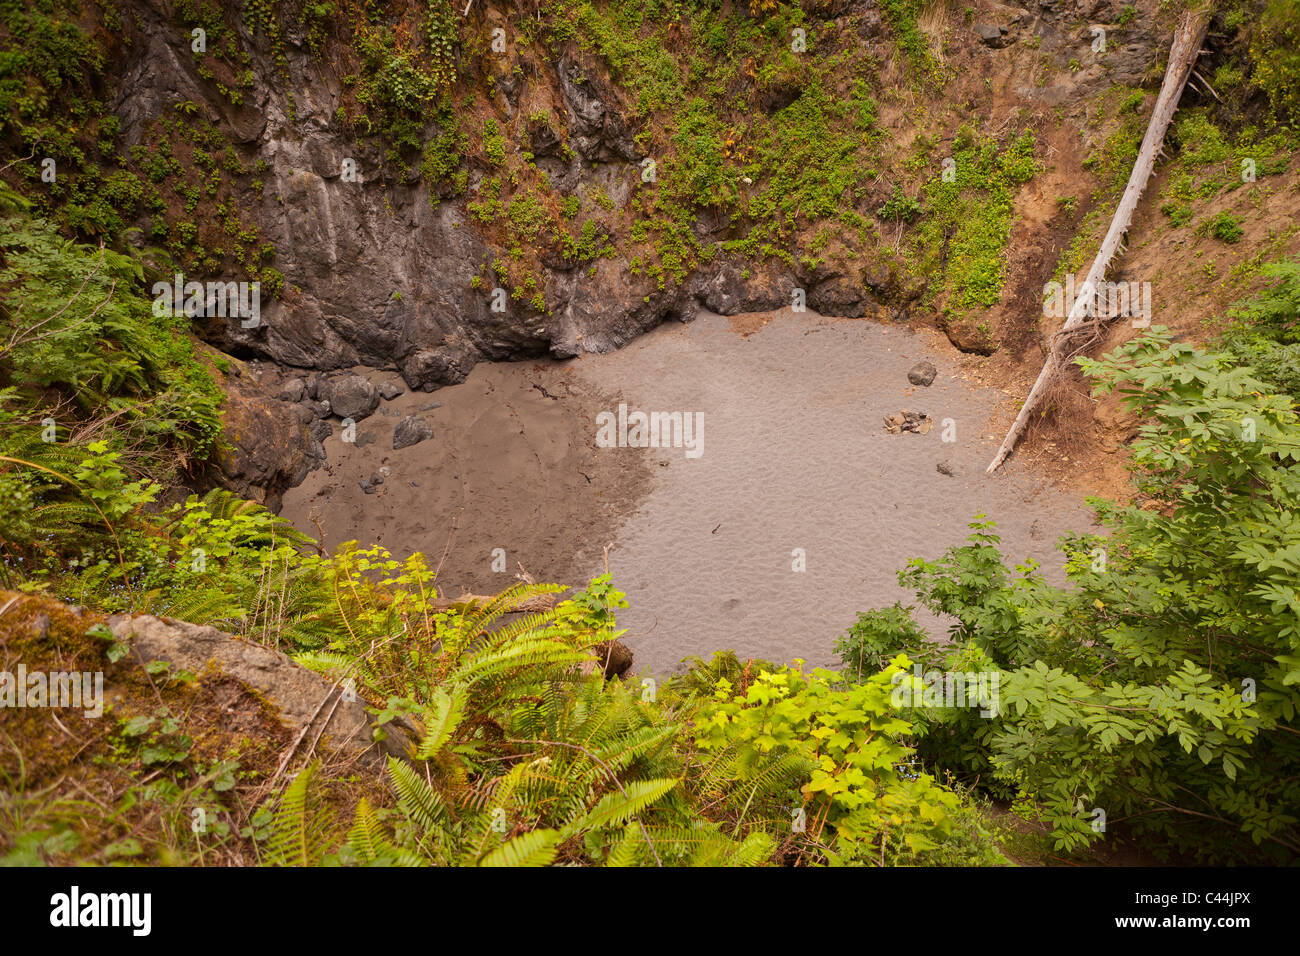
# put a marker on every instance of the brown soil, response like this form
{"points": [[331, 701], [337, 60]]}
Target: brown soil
{"points": [[61, 769]]}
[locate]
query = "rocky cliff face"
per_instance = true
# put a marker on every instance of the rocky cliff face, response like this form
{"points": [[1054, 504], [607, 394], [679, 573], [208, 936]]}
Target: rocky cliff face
{"points": [[377, 274], [588, 171]]}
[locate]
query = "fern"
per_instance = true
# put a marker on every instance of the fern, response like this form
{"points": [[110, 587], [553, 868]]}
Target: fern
{"points": [[298, 835], [536, 848]]}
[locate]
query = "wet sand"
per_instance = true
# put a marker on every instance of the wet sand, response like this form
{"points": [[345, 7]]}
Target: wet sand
{"points": [[794, 456]]}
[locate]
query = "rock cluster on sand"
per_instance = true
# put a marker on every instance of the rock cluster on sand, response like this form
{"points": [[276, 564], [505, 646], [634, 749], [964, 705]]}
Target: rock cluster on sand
{"points": [[905, 421]]}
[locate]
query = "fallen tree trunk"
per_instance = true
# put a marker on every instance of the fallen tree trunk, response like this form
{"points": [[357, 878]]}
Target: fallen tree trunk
{"points": [[1188, 36]]}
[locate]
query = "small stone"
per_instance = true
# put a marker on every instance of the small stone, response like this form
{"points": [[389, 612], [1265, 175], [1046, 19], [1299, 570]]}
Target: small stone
{"points": [[367, 487], [389, 391], [944, 468], [376, 479], [411, 430], [992, 35], [922, 373]]}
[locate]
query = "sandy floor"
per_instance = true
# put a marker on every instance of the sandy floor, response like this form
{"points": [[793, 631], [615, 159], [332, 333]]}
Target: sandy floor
{"points": [[795, 456]]}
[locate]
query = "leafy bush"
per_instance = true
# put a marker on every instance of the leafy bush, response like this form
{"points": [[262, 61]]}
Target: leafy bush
{"points": [[76, 320], [1275, 51], [1266, 330], [1222, 226], [1162, 686]]}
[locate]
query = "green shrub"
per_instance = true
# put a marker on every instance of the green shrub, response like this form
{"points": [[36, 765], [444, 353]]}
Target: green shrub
{"points": [[1222, 226], [1162, 685], [1275, 52], [1265, 333]]}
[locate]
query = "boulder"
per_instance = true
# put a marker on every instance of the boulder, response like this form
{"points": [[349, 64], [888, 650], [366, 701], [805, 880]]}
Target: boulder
{"points": [[411, 430], [268, 445], [305, 700], [903, 420], [922, 373], [351, 396], [993, 36], [293, 390]]}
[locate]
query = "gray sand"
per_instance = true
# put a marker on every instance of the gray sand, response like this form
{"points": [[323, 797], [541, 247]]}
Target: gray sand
{"points": [[794, 456]]}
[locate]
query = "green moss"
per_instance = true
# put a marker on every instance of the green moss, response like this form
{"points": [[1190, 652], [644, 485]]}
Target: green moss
{"points": [[971, 213]]}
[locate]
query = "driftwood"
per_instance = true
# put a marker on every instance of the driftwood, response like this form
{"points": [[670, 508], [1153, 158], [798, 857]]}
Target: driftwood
{"points": [[1188, 36]]}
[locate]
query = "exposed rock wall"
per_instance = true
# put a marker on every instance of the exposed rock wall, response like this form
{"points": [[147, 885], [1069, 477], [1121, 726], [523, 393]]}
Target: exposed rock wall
{"points": [[379, 275]]}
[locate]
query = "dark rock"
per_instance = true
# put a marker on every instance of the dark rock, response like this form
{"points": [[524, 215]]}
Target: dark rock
{"points": [[389, 391], [376, 479], [267, 444], [320, 429], [600, 134], [411, 430], [614, 658], [944, 468], [922, 373], [542, 140], [838, 296], [992, 35], [736, 287], [431, 368], [352, 396], [293, 390], [367, 487]]}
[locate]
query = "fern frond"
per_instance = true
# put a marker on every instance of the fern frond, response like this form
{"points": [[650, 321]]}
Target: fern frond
{"points": [[441, 719], [297, 831], [536, 848], [619, 807], [422, 804], [366, 838]]}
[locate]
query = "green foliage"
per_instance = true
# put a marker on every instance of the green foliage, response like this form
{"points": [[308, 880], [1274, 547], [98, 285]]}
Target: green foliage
{"points": [[401, 80], [76, 320], [813, 750], [1161, 686], [1222, 226], [900, 207], [971, 216], [1275, 51], [902, 16], [443, 157], [1265, 333], [494, 142], [44, 55]]}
